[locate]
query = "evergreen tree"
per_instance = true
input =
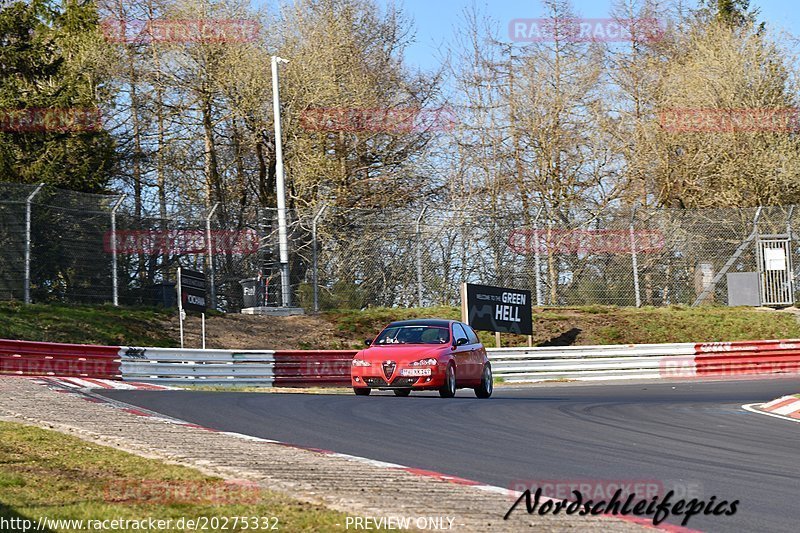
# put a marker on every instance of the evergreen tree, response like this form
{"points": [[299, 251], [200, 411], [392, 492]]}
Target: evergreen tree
{"points": [[50, 89]]}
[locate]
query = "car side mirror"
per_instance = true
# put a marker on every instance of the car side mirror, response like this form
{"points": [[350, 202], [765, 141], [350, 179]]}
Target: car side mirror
{"points": [[368, 342], [462, 341]]}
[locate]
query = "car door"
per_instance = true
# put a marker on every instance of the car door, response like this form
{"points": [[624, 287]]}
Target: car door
{"points": [[462, 354], [478, 351]]}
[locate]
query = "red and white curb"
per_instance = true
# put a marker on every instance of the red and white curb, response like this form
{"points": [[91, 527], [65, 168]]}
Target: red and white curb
{"points": [[786, 407], [89, 396], [92, 383]]}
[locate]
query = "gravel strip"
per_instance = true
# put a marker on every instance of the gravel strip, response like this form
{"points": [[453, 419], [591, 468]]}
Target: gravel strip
{"points": [[356, 488]]}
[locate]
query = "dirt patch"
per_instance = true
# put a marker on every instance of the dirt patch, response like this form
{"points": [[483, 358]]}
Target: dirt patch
{"points": [[248, 332], [343, 330]]}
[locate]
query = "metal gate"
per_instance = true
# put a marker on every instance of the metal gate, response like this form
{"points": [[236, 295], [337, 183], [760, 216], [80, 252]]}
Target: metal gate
{"points": [[775, 271]]}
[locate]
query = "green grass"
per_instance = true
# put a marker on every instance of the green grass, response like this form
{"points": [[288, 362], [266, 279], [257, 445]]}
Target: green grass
{"points": [[598, 324], [45, 473], [574, 325], [103, 324], [697, 324]]}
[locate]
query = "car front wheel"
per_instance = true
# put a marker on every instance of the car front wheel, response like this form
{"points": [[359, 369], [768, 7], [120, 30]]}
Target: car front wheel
{"points": [[361, 391], [448, 390], [484, 390]]}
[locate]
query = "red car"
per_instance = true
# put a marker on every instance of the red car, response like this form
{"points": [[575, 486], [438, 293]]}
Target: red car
{"points": [[429, 354]]}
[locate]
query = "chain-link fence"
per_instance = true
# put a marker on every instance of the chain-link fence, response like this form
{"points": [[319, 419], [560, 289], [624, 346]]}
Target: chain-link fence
{"points": [[625, 257], [64, 246]]}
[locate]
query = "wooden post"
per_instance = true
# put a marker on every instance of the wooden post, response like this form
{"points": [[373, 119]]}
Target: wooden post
{"points": [[497, 339]]}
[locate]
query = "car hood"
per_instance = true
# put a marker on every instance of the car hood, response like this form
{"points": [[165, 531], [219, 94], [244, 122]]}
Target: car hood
{"points": [[402, 353]]}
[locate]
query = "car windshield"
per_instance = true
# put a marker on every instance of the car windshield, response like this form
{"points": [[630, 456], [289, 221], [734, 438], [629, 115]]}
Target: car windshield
{"points": [[414, 335]]}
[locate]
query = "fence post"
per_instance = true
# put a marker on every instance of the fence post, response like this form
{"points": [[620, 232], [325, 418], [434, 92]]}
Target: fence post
{"points": [[635, 260], [315, 265], [537, 260], [210, 257], [419, 256], [27, 288], [114, 282]]}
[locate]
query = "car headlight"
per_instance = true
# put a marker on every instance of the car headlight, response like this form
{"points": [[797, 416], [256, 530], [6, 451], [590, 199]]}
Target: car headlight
{"points": [[431, 361], [360, 362]]}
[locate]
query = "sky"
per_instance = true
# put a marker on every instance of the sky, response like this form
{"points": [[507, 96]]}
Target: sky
{"points": [[435, 21]]}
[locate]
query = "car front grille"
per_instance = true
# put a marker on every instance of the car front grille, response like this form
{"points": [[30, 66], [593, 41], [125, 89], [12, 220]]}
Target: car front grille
{"points": [[388, 369], [397, 382], [404, 382]]}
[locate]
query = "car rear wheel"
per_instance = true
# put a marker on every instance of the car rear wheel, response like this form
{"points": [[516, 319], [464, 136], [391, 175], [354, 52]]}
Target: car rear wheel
{"points": [[484, 390], [448, 390], [402, 392], [361, 391]]}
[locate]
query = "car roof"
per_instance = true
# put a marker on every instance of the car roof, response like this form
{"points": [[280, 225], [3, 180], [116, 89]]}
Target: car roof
{"points": [[440, 322]]}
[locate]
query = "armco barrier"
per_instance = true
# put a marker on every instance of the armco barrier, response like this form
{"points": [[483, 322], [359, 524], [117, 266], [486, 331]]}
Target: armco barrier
{"points": [[300, 368], [303, 368], [647, 361], [26, 358], [191, 366], [632, 361]]}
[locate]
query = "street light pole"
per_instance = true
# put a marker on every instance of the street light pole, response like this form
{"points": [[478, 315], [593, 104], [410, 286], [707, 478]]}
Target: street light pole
{"points": [[280, 185]]}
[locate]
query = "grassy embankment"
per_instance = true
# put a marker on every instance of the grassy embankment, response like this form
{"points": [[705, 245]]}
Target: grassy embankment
{"points": [[603, 324], [348, 328], [48, 474], [102, 324]]}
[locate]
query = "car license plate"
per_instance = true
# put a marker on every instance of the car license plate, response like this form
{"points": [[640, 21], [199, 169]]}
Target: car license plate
{"points": [[414, 372]]}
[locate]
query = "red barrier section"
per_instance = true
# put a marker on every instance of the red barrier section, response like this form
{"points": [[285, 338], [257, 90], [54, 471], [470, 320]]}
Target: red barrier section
{"points": [[26, 358], [303, 368], [747, 346], [748, 357]]}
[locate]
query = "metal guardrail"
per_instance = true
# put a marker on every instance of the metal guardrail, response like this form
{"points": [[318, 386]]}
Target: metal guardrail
{"points": [[304, 368], [188, 366], [281, 368], [632, 361]]}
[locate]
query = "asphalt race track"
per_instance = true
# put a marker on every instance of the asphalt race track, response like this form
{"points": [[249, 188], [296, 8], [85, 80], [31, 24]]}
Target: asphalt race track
{"points": [[694, 434]]}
